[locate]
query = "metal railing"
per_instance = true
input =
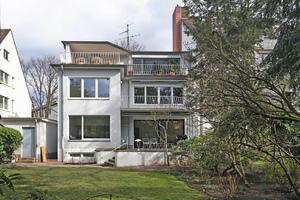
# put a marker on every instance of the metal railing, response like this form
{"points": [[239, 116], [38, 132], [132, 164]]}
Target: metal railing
{"points": [[152, 101], [157, 69], [90, 57]]}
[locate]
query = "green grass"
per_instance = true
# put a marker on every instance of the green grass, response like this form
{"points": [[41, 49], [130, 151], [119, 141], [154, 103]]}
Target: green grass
{"points": [[81, 183]]}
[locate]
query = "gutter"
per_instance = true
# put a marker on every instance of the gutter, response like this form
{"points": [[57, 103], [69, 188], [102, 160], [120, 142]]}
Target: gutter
{"points": [[61, 113]]}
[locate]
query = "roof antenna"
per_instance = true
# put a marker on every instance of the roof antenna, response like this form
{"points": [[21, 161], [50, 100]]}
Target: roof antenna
{"points": [[128, 36]]}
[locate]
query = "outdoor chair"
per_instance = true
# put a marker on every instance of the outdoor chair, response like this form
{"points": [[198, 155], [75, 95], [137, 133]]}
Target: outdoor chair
{"points": [[153, 143], [80, 60], [96, 60], [146, 143]]}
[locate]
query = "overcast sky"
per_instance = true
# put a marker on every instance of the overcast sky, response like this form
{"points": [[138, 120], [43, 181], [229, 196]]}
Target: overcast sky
{"points": [[39, 26]]}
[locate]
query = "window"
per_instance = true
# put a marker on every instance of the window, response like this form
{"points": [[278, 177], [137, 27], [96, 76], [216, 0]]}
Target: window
{"points": [[92, 127], [165, 95], [177, 96], [89, 88], [12, 105], [3, 103], [152, 95], [75, 87], [3, 77], [103, 88], [158, 95], [139, 95], [13, 82], [5, 54]]}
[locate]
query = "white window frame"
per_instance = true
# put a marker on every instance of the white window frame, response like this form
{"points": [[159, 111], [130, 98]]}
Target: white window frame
{"points": [[158, 95], [5, 101], [6, 54], [82, 88], [82, 129]]}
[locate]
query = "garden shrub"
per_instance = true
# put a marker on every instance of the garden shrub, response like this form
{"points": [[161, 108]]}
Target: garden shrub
{"points": [[275, 174], [10, 140]]}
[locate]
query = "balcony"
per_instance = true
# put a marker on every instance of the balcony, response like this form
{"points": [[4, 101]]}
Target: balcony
{"points": [[157, 69], [97, 58], [152, 102]]}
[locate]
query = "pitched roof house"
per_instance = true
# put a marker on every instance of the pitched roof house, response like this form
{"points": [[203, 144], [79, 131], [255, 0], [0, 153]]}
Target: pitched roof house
{"points": [[14, 96], [107, 95], [15, 104]]}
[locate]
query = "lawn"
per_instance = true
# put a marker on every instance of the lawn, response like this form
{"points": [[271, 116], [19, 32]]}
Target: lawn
{"points": [[81, 183]]}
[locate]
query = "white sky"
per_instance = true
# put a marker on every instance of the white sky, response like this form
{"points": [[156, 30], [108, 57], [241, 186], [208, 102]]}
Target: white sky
{"points": [[39, 26]]}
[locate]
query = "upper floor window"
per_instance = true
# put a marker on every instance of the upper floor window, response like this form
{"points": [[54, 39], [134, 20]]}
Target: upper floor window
{"points": [[5, 54], [3, 103], [89, 88], [158, 95], [3, 77]]}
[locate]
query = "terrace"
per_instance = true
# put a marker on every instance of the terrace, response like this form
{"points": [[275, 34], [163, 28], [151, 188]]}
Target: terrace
{"points": [[157, 69], [96, 58]]}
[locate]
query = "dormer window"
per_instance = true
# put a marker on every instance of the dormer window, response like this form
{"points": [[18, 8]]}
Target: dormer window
{"points": [[5, 54]]}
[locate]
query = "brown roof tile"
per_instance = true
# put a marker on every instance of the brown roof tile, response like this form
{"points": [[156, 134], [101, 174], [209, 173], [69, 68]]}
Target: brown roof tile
{"points": [[3, 33]]}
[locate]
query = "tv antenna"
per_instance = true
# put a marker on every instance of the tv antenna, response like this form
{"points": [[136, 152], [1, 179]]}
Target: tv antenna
{"points": [[128, 36]]}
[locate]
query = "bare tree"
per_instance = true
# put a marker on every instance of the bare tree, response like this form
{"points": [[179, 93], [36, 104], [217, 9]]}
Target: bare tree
{"points": [[131, 46], [41, 80], [161, 119]]}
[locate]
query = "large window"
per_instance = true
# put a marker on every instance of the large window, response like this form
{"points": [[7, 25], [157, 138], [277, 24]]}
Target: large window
{"points": [[3, 102], [92, 127], [147, 129], [89, 88], [158, 95]]}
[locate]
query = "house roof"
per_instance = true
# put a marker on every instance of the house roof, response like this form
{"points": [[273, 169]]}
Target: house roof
{"points": [[3, 34], [74, 45]]}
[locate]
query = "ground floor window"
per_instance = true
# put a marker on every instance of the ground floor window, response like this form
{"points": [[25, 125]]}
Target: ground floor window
{"points": [[147, 130], [89, 127]]}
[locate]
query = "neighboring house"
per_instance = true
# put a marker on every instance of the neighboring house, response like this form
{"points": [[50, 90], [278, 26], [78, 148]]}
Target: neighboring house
{"points": [[15, 104], [52, 112], [107, 94], [14, 95]]}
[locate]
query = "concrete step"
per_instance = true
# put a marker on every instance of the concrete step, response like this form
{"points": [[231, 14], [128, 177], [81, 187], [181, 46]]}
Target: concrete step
{"points": [[111, 162]]}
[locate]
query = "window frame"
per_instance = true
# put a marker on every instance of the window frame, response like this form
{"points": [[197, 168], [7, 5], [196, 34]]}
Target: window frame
{"points": [[4, 77], [96, 88], [82, 127], [158, 101], [6, 54], [5, 104]]}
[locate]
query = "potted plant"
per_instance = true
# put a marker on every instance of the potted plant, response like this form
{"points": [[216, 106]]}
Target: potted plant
{"points": [[130, 70], [172, 67], [157, 68]]}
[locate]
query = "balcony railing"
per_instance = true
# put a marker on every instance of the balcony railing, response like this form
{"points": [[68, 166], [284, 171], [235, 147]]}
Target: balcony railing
{"points": [[157, 69], [97, 58], [142, 102]]}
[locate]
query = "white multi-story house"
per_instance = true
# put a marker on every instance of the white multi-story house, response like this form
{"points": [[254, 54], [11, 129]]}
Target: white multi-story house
{"points": [[14, 96], [108, 94]]}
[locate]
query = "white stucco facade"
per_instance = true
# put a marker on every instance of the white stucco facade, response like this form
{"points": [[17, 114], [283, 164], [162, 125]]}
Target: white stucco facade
{"points": [[15, 99], [135, 90]]}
